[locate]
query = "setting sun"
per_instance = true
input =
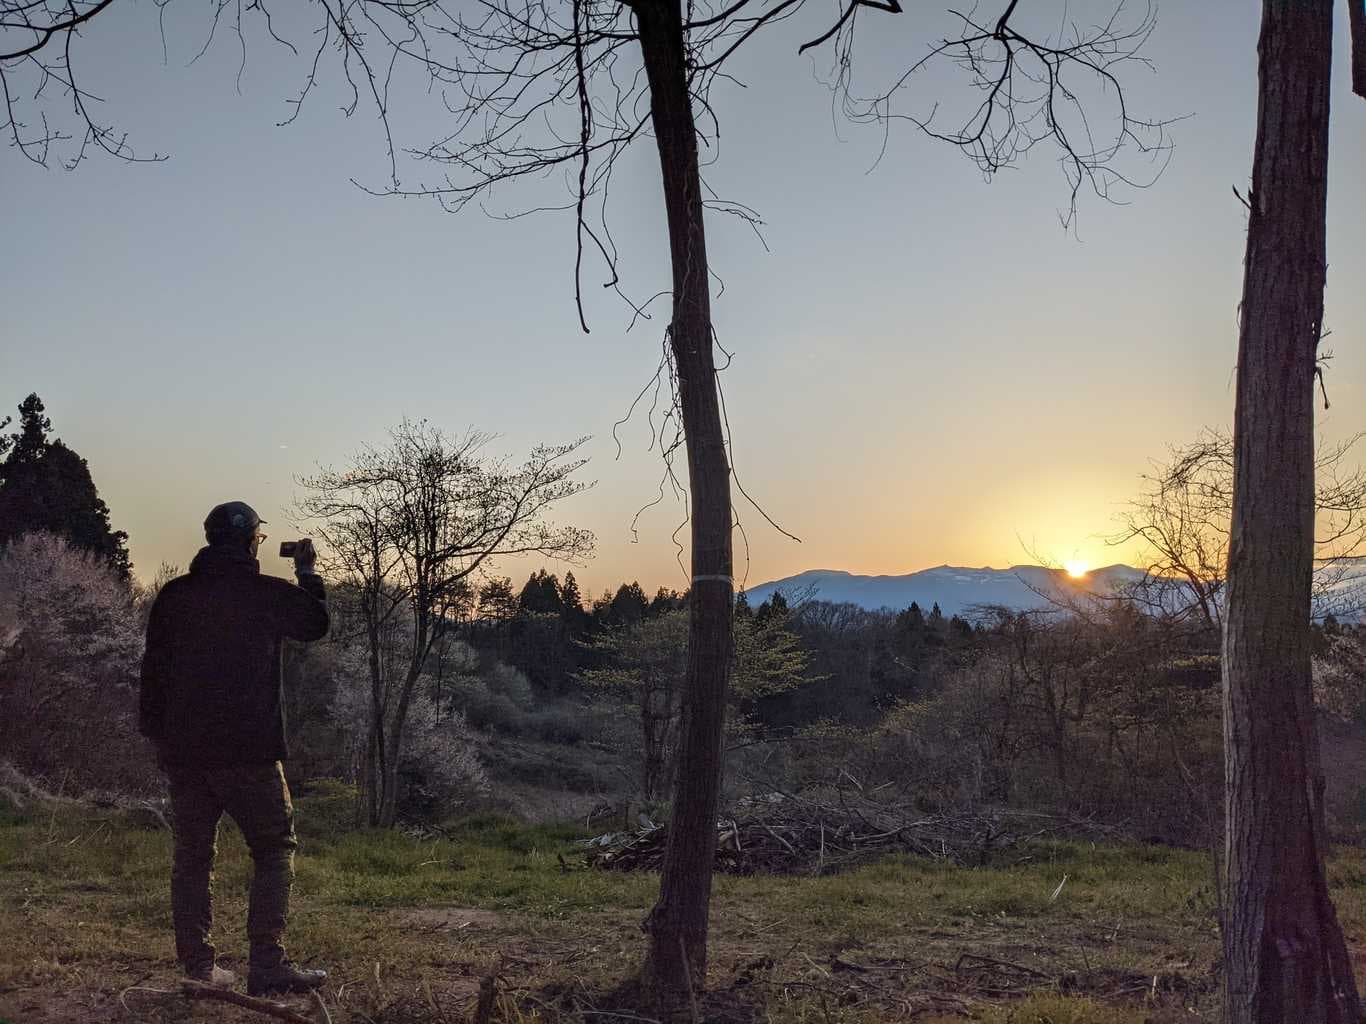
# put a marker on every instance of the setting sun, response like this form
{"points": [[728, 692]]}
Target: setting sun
{"points": [[1075, 568]]}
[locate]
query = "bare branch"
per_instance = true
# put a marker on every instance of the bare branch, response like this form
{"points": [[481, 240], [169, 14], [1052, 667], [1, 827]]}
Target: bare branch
{"points": [[1182, 519]]}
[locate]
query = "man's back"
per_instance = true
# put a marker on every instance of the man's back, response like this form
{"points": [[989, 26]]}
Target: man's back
{"points": [[211, 678], [212, 703]]}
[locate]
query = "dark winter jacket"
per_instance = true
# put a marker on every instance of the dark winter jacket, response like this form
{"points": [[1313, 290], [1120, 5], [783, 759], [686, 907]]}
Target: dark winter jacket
{"points": [[212, 675]]}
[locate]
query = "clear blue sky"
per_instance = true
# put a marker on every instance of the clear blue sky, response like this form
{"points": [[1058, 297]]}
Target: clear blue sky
{"points": [[927, 367]]}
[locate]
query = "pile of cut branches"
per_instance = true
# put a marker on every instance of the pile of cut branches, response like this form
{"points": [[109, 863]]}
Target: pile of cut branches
{"points": [[795, 836]]}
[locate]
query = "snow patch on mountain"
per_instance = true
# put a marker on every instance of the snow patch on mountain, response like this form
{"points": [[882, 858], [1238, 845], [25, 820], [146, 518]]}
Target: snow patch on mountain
{"points": [[956, 589], [1341, 588]]}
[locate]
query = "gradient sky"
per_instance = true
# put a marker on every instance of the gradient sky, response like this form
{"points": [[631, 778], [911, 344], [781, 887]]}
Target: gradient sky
{"points": [[927, 368]]}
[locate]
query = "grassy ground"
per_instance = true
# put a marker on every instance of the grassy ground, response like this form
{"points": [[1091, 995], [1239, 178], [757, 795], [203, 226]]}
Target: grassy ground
{"points": [[408, 929]]}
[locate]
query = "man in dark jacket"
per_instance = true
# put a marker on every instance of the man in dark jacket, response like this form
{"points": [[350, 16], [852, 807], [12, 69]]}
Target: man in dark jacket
{"points": [[212, 704]]}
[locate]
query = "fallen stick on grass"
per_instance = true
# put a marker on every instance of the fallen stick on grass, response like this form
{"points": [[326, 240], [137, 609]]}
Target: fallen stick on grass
{"points": [[194, 990]]}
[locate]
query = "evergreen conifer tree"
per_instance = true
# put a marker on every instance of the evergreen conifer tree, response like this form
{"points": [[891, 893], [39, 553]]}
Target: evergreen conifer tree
{"points": [[629, 605], [571, 600], [44, 485], [912, 621], [571, 606], [774, 607], [936, 628], [29, 444], [496, 601], [541, 594], [742, 608], [665, 601]]}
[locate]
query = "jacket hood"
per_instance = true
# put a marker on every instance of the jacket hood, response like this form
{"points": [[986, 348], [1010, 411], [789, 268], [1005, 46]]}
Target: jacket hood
{"points": [[217, 558]]}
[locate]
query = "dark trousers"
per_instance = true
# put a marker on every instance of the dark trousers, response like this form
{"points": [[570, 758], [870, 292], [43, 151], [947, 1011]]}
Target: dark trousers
{"points": [[255, 796]]}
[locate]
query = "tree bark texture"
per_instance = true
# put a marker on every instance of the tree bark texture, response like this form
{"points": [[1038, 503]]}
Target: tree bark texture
{"points": [[1285, 958], [676, 961], [388, 789], [1357, 21]]}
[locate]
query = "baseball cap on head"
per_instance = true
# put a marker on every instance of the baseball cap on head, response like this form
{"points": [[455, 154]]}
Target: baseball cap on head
{"points": [[232, 519]]}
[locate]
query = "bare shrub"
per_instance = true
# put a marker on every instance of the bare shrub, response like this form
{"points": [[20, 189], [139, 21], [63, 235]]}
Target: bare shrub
{"points": [[442, 771], [70, 645], [496, 702], [1340, 675]]}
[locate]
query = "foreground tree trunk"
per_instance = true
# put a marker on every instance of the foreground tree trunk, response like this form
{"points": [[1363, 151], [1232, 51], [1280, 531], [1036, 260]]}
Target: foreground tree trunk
{"points": [[387, 812], [1357, 21], [676, 961], [1285, 959]]}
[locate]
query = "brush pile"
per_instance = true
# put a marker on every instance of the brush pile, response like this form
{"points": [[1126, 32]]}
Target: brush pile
{"points": [[796, 837]]}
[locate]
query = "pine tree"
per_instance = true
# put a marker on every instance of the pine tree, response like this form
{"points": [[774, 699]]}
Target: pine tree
{"points": [[541, 594], [742, 608], [571, 606], [936, 627], [496, 601], [628, 606], [897, 660], [44, 485], [774, 608], [936, 619], [769, 660], [665, 601], [911, 622], [30, 443], [570, 598]]}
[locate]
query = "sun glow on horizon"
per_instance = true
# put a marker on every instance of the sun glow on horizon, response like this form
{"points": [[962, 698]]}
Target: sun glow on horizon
{"points": [[1076, 568]]}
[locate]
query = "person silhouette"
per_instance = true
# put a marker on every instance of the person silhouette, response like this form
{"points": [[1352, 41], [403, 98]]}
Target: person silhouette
{"points": [[211, 701]]}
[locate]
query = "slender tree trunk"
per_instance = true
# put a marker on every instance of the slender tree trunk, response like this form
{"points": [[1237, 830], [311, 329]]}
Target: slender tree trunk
{"points": [[375, 748], [652, 782], [372, 784], [393, 734], [1285, 959], [1357, 21], [676, 963], [387, 811], [365, 776]]}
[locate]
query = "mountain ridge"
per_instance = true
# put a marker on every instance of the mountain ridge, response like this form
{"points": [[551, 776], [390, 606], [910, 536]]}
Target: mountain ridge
{"points": [[954, 588]]}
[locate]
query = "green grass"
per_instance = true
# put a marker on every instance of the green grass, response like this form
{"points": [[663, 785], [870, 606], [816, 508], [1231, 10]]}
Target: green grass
{"points": [[84, 910]]}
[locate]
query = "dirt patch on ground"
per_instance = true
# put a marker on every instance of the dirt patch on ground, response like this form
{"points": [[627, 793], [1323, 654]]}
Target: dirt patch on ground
{"points": [[23, 1006]]}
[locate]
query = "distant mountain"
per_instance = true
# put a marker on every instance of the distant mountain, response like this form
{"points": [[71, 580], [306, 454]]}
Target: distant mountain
{"points": [[954, 588]]}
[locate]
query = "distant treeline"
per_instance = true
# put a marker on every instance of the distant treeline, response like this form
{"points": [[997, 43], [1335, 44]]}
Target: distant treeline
{"points": [[859, 661]]}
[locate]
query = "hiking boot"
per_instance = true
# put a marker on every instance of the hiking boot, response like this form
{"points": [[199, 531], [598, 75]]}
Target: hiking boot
{"points": [[262, 981], [218, 977]]}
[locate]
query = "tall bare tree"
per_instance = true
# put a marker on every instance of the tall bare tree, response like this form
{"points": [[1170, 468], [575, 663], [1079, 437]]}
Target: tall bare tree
{"points": [[407, 524], [1284, 954], [529, 61], [540, 87]]}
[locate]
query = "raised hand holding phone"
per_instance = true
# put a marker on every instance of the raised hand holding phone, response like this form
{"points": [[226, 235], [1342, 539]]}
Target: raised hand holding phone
{"points": [[304, 554]]}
